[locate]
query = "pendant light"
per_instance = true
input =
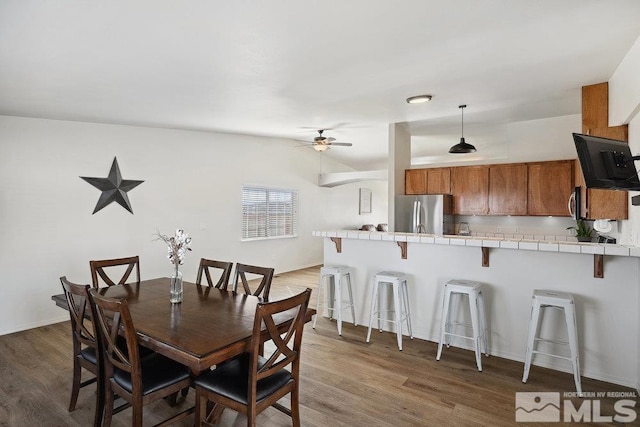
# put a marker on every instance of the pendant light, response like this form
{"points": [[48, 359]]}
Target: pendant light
{"points": [[462, 147]]}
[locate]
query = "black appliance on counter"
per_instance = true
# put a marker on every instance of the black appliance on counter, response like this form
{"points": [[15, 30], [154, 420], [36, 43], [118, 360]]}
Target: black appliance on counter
{"points": [[607, 239]]}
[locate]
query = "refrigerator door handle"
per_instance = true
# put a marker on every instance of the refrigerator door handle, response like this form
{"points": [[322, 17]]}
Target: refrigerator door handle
{"points": [[418, 226]]}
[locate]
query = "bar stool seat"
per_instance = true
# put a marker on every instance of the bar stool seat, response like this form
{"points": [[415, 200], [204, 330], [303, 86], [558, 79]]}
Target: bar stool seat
{"points": [[563, 301], [453, 290], [340, 276], [401, 311]]}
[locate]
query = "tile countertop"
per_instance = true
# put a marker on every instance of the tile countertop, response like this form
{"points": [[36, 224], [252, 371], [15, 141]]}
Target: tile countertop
{"points": [[488, 242]]}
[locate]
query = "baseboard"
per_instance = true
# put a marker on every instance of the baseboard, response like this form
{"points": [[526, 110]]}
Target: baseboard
{"points": [[624, 382], [62, 318]]}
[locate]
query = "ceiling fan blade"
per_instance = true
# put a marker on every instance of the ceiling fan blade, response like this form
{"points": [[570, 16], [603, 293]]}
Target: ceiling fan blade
{"points": [[344, 144], [330, 139]]}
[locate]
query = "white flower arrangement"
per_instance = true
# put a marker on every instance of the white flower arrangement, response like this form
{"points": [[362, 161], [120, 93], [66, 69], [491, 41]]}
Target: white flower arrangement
{"points": [[177, 246]]}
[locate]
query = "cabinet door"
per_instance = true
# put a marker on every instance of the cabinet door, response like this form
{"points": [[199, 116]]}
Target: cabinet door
{"points": [[508, 189], [598, 203], [595, 107], [415, 181], [439, 181], [549, 187], [470, 188]]}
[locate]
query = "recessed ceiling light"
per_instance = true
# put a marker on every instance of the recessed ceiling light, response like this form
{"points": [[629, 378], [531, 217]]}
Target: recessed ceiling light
{"points": [[419, 99]]}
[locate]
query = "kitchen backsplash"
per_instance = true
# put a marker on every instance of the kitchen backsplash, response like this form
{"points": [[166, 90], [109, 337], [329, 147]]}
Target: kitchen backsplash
{"points": [[534, 228]]}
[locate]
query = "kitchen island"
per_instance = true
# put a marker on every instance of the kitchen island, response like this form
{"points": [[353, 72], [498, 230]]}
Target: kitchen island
{"points": [[606, 307]]}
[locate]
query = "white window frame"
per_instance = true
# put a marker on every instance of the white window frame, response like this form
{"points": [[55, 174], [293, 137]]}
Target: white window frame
{"points": [[268, 213]]}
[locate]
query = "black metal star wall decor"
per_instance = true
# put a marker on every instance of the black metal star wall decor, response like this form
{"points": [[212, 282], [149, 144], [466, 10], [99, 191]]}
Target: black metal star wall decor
{"points": [[114, 188]]}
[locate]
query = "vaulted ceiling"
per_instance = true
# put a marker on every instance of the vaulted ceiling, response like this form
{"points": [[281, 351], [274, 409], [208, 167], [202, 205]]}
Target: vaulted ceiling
{"points": [[283, 68]]}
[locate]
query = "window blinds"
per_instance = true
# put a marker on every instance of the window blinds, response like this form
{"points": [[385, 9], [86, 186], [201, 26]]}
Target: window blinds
{"points": [[269, 213]]}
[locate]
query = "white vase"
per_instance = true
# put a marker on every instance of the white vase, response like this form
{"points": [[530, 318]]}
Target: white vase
{"points": [[175, 295]]}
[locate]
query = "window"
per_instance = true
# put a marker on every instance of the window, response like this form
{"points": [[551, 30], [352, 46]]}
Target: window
{"points": [[269, 213]]}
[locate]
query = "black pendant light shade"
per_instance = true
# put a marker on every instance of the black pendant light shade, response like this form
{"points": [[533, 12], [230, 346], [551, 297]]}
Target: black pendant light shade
{"points": [[462, 147]]}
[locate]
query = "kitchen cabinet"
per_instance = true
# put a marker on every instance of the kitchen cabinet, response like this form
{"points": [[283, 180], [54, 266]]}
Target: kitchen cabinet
{"points": [[439, 181], [427, 181], [508, 189], [598, 203], [415, 181], [470, 189], [595, 107], [549, 186]]}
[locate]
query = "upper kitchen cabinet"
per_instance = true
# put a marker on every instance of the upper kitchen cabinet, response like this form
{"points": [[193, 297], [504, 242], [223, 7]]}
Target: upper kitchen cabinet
{"points": [[415, 181], [598, 203], [470, 189], [427, 181], [439, 181], [508, 189], [550, 185], [595, 107]]}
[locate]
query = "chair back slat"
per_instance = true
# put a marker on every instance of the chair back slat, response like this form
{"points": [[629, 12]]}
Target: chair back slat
{"points": [[264, 286], [113, 318], [98, 270], [207, 264], [287, 345], [77, 300]]}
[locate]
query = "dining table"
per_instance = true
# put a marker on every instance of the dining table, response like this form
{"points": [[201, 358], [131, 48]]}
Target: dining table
{"points": [[209, 326]]}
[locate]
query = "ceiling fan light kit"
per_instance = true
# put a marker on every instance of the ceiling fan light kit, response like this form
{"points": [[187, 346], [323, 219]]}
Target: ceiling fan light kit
{"points": [[462, 147], [419, 99], [322, 143]]}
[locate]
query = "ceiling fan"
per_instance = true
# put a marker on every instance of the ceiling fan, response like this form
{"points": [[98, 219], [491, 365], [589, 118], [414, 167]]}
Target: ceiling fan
{"points": [[322, 143]]}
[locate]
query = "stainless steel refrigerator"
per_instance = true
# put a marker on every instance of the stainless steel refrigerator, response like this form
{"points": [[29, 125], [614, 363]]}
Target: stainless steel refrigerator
{"points": [[430, 214]]}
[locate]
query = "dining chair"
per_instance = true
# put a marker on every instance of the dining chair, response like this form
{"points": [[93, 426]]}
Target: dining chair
{"points": [[207, 264], [115, 266], [264, 286], [251, 383], [83, 335], [137, 380]]}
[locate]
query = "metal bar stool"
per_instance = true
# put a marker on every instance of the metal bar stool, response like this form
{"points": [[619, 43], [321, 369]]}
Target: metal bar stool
{"points": [[401, 311], [335, 275], [453, 290], [560, 301]]}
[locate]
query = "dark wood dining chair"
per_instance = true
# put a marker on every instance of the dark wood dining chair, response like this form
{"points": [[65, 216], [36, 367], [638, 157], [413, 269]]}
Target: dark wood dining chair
{"points": [[251, 383], [206, 265], [129, 265], [240, 276], [137, 380], [83, 333]]}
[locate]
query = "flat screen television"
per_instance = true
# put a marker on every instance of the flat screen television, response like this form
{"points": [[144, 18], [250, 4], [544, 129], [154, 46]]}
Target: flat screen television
{"points": [[606, 163]]}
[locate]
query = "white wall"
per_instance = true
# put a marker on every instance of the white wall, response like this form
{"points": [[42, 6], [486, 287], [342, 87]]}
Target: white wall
{"points": [[624, 105], [624, 88], [524, 141], [192, 180]]}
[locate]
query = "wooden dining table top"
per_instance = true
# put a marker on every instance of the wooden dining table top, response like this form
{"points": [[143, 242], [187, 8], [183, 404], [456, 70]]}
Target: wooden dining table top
{"points": [[208, 327]]}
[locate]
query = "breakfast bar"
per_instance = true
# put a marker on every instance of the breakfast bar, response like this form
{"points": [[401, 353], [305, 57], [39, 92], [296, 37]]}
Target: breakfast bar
{"points": [[606, 303]]}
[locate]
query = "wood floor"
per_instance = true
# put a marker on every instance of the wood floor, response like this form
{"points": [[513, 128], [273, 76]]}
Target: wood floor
{"points": [[345, 381]]}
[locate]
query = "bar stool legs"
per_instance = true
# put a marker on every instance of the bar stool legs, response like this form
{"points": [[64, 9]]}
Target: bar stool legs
{"points": [[335, 275], [560, 301], [401, 310], [453, 291]]}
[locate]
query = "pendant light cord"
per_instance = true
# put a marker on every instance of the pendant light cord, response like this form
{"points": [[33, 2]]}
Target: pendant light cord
{"points": [[462, 107]]}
